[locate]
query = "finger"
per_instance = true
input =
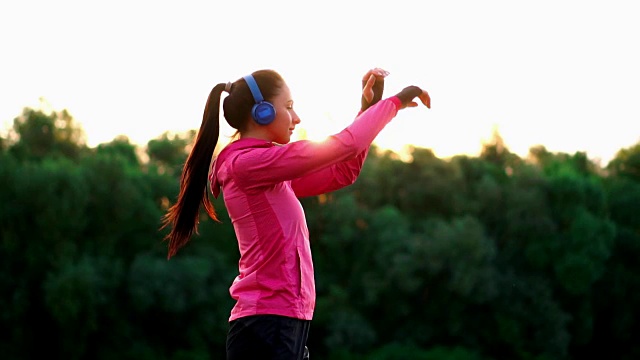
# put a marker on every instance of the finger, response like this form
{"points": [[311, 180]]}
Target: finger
{"points": [[425, 98], [367, 92], [378, 72], [370, 82], [412, 104], [381, 72]]}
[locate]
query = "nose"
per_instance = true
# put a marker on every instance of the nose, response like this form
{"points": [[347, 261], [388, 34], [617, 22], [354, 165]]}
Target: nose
{"points": [[296, 118]]}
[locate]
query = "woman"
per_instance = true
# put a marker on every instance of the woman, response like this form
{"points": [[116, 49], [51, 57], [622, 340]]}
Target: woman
{"points": [[262, 175]]}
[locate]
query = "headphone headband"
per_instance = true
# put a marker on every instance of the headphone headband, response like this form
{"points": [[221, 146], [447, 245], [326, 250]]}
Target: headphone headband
{"points": [[255, 90]]}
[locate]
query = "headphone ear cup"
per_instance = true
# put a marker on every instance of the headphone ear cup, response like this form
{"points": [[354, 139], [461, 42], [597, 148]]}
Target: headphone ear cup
{"points": [[263, 113]]}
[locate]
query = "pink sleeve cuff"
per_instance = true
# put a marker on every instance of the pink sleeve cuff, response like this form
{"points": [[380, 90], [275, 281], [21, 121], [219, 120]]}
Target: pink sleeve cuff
{"points": [[396, 101]]}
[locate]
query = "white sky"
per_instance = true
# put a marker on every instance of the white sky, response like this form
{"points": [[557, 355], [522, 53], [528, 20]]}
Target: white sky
{"points": [[564, 74]]}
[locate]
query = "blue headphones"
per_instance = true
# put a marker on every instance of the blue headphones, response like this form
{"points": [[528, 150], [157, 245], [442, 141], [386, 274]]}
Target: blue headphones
{"points": [[263, 111]]}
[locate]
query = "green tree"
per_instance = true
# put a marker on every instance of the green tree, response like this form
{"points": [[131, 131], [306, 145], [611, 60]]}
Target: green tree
{"points": [[80, 296], [626, 163], [424, 187], [169, 152], [464, 258], [43, 215], [38, 134], [616, 295], [119, 147], [496, 152]]}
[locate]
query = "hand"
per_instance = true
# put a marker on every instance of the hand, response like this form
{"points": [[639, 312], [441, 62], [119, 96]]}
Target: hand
{"points": [[372, 87], [409, 93], [424, 98]]}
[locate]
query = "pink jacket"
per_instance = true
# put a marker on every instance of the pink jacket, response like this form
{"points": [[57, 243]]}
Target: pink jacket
{"points": [[261, 183]]}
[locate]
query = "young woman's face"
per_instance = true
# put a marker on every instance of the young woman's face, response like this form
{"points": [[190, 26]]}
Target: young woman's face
{"points": [[281, 129]]}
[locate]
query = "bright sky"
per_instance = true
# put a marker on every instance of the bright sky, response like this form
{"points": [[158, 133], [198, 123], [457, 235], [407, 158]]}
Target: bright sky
{"points": [[564, 74]]}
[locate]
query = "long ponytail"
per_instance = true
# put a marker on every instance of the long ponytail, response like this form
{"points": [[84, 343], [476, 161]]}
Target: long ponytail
{"points": [[183, 215]]}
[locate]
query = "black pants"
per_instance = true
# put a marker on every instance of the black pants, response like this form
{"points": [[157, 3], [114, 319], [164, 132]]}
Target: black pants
{"points": [[268, 337]]}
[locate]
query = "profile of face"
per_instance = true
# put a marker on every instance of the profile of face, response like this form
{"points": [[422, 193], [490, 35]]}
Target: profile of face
{"points": [[282, 127]]}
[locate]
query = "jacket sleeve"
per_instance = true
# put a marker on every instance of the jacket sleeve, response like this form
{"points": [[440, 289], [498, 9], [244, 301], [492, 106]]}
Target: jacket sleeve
{"points": [[267, 166], [330, 178]]}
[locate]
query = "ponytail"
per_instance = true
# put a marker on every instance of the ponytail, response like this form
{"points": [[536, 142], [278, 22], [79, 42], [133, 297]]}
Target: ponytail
{"points": [[183, 215]]}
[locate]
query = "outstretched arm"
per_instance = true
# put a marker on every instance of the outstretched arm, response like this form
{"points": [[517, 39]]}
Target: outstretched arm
{"points": [[344, 173], [330, 178], [297, 160]]}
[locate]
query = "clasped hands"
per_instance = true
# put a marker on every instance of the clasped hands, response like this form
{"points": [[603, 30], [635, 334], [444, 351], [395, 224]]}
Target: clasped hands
{"points": [[373, 86]]}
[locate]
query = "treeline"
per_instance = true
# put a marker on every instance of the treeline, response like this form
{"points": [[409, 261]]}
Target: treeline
{"points": [[487, 257]]}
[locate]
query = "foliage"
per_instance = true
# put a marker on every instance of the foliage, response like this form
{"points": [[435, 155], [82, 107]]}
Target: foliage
{"points": [[488, 257], [38, 134]]}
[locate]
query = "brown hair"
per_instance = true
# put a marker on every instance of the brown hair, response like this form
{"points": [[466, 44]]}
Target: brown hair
{"points": [[183, 215]]}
